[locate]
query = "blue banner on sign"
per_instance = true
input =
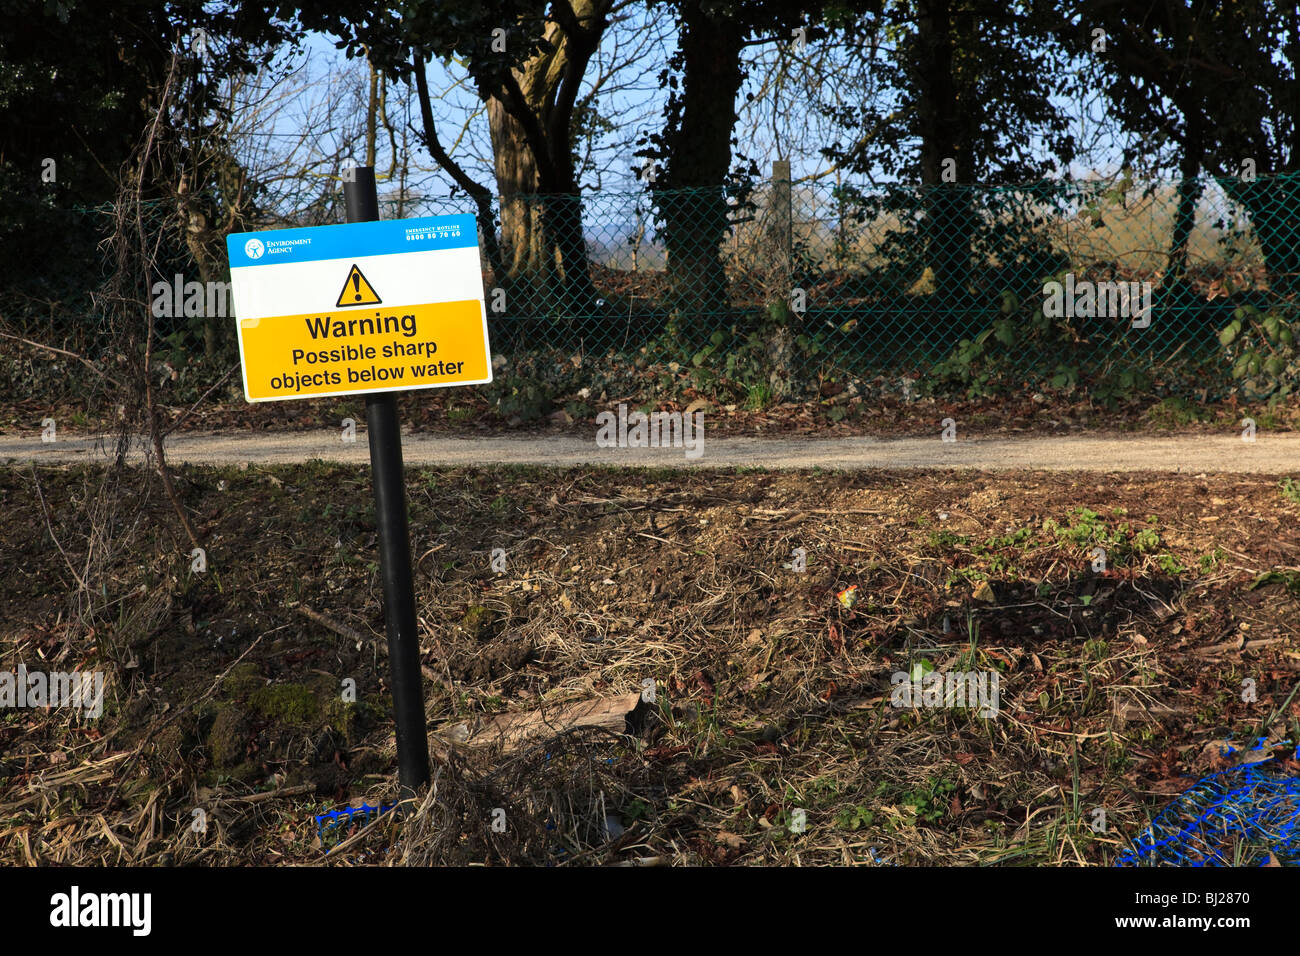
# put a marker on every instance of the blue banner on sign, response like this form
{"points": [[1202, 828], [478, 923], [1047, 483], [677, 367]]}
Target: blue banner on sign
{"points": [[351, 240]]}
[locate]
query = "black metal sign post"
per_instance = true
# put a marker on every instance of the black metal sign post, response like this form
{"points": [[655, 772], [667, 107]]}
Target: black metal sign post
{"points": [[385, 435]]}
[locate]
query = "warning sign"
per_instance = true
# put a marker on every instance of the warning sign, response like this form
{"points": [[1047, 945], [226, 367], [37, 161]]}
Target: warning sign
{"points": [[428, 331], [357, 291]]}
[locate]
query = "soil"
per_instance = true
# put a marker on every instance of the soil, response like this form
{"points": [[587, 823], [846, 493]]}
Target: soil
{"points": [[773, 684]]}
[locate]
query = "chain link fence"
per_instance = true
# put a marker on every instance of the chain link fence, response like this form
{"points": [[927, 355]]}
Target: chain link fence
{"points": [[1160, 287], [1176, 287]]}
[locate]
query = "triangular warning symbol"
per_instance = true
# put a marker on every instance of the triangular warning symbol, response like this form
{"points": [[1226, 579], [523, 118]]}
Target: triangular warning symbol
{"points": [[357, 290]]}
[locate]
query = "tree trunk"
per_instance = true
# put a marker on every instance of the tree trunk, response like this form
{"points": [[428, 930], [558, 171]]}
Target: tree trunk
{"points": [[947, 226], [1274, 206], [562, 226], [1189, 194], [698, 159], [523, 245], [201, 241], [547, 268]]}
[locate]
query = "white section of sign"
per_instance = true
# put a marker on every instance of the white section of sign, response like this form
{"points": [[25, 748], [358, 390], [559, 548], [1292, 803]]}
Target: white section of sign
{"points": [[399, 279]]}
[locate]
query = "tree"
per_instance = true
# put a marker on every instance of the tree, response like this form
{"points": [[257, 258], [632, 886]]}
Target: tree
{"points": [[693, 178], [966, 105], [527, 60], [79, 82], [1217, 83], [1143, 59]]}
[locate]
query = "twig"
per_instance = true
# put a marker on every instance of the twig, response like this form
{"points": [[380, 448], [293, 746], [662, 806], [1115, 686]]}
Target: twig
{"points": [[1277, 713], [177, 424], [338, 627], [269, 794], [46, 512], [664, 540], [50, 348]]}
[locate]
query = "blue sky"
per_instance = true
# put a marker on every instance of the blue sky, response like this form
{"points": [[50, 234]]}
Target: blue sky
{"points": [[629, 98]]}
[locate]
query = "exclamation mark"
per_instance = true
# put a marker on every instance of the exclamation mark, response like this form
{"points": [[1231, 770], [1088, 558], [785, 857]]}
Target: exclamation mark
{"points": [[356, 284]]}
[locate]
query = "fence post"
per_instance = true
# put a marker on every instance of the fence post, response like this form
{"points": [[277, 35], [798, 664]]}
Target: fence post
{"points": [[783, 224]]}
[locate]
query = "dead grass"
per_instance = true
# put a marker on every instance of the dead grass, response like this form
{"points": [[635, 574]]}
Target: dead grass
{"points": [[772, 695]]}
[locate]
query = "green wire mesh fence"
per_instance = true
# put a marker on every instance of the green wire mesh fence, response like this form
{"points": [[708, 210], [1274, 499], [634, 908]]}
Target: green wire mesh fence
{"points": [[1167, 287], [1180, 287]]}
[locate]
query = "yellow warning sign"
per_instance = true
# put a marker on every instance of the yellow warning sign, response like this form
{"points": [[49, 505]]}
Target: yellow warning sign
{"points": [[415, 346], [357, 290]]}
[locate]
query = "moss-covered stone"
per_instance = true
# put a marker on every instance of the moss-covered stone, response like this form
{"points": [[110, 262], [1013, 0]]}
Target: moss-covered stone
{"points": [[228, 737], [170, 745], [249, 772], [478, 622], [345, 718], [288, 703], [242, 680]]}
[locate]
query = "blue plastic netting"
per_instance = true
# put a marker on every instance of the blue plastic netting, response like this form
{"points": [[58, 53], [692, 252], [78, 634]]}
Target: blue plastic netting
{"points": [[1241, 816], [335, 822]]}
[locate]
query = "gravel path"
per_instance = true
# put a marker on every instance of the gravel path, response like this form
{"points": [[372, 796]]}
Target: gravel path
{"points": [[1268, 454]]}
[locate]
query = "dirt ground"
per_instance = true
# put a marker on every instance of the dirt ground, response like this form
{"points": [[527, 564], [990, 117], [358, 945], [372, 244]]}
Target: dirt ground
{"points": [[772, 737]]}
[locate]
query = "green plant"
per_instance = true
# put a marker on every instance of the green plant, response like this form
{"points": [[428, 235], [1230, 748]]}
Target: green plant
{"points": [[759, 396], [1261, 344], [947, 541], [1095, 648], [1085, 527], [1209, 562], [992, 362], [734, 365], [1290, 579], [716, 341], [1174, 411], [1013, 540], [520, 398], [635, 809], [920, 668], [854, 818], [1170, 564], [1145, 541], [929, 803]]}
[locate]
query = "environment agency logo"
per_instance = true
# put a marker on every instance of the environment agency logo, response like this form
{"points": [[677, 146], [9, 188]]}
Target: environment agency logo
{"points": [[254, 248]]}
